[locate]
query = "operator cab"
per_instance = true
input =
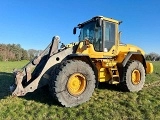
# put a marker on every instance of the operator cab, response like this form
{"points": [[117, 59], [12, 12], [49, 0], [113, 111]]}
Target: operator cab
{"points": [[100, 31]]}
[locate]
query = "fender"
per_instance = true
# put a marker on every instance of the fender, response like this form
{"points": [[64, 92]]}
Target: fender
{"points": [[134, 56], [87, 59], [82, 57]]}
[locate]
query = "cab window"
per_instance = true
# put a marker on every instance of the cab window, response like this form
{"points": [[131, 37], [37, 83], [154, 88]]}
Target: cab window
{"points": [[109, 39], [93, 33]]}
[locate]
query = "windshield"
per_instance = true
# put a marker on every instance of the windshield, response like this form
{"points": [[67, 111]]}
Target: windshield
{"points": [[93, 33], [87, 32]]}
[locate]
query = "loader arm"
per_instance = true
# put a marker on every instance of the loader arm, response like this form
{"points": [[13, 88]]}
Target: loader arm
{"points": [[28, 80]]}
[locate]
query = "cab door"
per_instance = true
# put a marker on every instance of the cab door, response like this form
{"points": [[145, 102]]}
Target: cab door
{"points": [[109, 35]]}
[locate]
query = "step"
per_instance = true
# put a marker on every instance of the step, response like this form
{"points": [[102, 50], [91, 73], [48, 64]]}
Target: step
{"points": [[115, 75], [113, 82], [113, 68]]}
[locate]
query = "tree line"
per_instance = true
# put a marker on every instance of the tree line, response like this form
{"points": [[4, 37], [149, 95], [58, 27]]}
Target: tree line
{"points": [[152, 57], [14, 52]]}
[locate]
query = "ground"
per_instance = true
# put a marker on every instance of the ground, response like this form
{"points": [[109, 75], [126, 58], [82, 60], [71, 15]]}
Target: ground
{"points": [[107, 102]]}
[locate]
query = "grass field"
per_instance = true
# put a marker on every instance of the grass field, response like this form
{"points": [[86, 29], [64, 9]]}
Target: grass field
{"points": [[107, 102]]}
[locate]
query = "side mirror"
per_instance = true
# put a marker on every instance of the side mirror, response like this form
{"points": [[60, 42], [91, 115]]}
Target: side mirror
{"points": [[74, 30]]}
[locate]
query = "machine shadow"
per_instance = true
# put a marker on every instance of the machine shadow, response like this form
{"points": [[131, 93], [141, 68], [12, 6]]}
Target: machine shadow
{"points": [[42, 95], [6, 79], [111, 87]]}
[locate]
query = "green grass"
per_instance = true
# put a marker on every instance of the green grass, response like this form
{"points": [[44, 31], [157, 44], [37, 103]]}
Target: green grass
{"points": [[106, 103], [9, 66]]}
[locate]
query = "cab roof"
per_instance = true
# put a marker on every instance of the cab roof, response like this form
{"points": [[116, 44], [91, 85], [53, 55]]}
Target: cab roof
{"points": [[107, 19], [103, 18]]}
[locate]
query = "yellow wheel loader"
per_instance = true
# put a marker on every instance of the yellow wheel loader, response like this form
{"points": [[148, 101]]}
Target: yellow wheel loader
{"points": [[72, 71]]}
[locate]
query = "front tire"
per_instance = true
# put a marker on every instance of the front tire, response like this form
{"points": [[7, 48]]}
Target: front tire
{"points": [[74, 83], [134, 76]]}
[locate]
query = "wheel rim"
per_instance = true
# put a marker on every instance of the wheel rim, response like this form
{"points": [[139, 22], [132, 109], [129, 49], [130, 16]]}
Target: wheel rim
{"points": [[136, 77], [76, 84]]}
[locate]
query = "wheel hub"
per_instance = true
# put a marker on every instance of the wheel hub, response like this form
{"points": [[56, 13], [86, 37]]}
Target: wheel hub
{"points": [[136, 77], [76, 84]]}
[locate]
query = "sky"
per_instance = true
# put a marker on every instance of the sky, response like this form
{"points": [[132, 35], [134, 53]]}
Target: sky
{"points": [[33, 23]]}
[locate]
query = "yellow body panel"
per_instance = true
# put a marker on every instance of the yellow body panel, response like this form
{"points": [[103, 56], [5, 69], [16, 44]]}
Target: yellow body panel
{"points": [[108, 63], [149, 69], [124, 49], [120, 53], [103, 73], [89, 50], [130, 48]]}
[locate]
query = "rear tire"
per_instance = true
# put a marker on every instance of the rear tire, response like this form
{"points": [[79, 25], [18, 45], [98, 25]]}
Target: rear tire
{"points": [[73, 83], [133, 77]]}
